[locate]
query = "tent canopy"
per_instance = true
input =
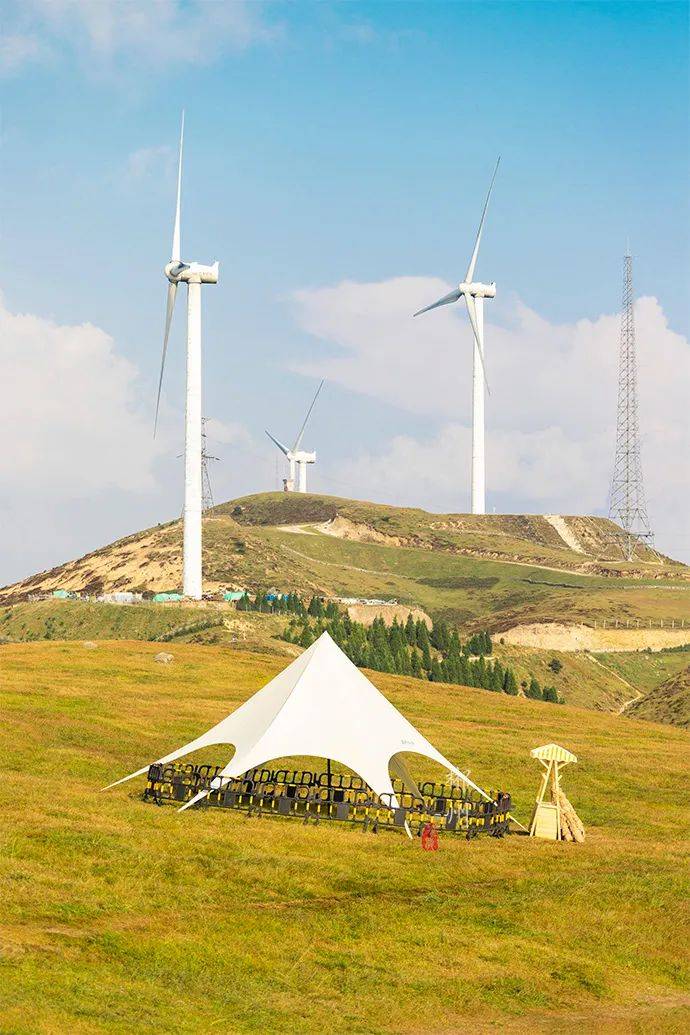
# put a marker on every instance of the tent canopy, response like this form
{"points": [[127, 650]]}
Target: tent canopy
{"points": [[320, 705]]}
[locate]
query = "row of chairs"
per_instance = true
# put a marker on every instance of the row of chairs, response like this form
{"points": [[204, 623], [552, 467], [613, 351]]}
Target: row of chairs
{"points": [[346, 799]]}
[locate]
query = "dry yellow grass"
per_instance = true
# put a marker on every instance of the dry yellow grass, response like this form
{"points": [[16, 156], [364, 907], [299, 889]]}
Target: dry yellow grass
{"points": [[117, 916]]}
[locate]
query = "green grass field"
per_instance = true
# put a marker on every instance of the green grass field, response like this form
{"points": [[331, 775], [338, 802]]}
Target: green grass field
{"points": [[603, 681], [77, 619], [646, 669], [117, 916]]}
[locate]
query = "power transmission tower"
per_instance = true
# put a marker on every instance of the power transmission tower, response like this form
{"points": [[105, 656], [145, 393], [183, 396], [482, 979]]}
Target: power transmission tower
{"points": [[206, 493], [627, 506]]}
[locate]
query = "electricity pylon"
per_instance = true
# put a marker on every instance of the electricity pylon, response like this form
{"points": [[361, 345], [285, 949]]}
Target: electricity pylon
{"points": [[627, 505]]}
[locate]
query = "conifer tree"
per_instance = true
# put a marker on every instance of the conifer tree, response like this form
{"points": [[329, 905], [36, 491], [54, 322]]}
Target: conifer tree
{"points": [[496, 680], [534, 690], [306, 638], [415, 663], [510, 683]]}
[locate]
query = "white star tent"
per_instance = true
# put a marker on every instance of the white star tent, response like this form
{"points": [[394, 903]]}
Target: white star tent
{"points": [[320, 705]]}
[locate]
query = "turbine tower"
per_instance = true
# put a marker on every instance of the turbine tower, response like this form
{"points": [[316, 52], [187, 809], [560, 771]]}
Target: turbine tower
{"points": [[298, 458], [193, 274], [627, 504], [474, 294]]}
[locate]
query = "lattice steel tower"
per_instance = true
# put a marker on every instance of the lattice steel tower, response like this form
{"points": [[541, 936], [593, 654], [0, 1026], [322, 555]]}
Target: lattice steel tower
{"points": [[206, 493], [627, 504]]}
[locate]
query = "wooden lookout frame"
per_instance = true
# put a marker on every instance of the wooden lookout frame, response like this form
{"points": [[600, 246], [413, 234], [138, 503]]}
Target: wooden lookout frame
{"points": [[546, 818]]}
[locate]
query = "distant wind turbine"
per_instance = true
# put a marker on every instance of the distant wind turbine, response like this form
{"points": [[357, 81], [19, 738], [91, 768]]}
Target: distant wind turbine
{"points": [[298, 458], [193, 274], [474, 294]]}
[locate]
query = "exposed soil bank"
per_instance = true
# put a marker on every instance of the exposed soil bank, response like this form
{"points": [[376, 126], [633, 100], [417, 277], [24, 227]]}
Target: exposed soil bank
{"points": [[366, 613], [553, 636]]}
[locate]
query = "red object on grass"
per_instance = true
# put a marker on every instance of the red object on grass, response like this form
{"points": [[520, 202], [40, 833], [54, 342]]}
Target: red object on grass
{"points": [[430, 838]]}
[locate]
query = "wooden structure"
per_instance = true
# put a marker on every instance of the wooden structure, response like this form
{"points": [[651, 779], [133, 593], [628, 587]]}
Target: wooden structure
{"points": [[546, 819]]}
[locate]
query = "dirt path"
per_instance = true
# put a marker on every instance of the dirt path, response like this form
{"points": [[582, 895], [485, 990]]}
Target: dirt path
{"points": [[638, 693], [295, 529]]}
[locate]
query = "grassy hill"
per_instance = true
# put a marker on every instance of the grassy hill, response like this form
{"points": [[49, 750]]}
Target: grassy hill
{"points": [[668, 702], [492, 571], [118, 917], [543, 582]]}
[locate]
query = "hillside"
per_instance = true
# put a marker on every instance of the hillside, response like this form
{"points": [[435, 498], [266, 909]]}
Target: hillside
{"points": [[165, 623], [516, 576], [668, 702], [495, 571], [349, 932]]}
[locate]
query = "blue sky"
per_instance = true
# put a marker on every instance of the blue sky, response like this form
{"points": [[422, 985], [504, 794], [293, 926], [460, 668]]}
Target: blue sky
{"points": [[343, 143]]}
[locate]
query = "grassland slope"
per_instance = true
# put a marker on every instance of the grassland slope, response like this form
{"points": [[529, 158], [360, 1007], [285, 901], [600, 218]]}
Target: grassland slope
{"points": [[668, 702], [475, 570], [118, 917]]}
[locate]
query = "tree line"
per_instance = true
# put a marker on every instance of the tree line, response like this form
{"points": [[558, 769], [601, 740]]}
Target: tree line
{"points": [[407, 648]]}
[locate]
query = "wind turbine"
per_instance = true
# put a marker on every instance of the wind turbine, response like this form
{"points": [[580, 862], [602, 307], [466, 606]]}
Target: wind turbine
{"points": [[474, 294], [298, 458], [193, 274]]}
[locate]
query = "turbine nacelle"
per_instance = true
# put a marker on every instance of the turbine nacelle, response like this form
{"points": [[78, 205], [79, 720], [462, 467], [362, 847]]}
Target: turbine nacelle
{"points": [[178, 272], [478, 290], [302, 458]]}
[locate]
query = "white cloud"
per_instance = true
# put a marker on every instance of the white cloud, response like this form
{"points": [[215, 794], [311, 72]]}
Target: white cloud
{"points": [[231, 433], [69, 422], [551, 414], [79, 466], [150, 33], [540, 470]]}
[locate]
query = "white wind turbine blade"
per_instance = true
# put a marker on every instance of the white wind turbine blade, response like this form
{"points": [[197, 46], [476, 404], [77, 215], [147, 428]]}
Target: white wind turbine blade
{"points": [[452, 296], [176, 229], [298, 441], [281, 447], [172, 286], [172, 292], [472, 313], [473, 261]]}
